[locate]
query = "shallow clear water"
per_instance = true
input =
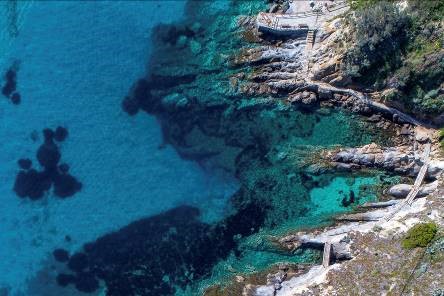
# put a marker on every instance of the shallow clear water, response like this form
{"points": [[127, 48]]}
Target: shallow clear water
{"points": [[77, 62]]}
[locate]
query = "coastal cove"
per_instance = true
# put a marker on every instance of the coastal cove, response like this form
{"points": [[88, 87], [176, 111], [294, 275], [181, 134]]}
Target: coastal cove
{"points": [[265, 142], [170, 148]]}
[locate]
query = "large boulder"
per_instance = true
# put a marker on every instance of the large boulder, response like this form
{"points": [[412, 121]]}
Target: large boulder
{"points": [[402, 190], [435, 168]]}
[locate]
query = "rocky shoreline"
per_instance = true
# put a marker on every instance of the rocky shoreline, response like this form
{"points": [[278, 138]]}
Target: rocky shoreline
{"points": [[348, 243], [281, 76]]}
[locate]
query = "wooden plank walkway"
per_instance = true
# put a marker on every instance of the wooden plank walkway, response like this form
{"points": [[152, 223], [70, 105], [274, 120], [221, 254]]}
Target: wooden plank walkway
{"points": [[416, 186], [421, 175], [326, 257]]}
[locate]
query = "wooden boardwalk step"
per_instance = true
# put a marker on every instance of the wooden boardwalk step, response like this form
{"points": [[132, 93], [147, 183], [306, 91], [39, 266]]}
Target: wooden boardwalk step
{"points": [[310, 39], [416, 186], [326, 257]]}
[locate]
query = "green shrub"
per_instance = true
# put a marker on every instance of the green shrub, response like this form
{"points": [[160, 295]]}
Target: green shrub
{"points": [[361, 4], [441, 134], [401, 48], [379, 33], [419, 235]]}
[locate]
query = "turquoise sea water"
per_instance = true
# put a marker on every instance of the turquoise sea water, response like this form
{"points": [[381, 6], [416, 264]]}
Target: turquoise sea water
{"points": [[77, 62]]}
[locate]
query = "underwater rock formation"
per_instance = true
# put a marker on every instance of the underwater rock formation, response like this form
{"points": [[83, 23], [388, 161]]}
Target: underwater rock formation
{"points": [[33, 184]]}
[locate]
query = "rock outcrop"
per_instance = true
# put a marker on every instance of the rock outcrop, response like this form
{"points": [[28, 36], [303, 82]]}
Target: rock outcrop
{"points": [[402, 160], [402, 190]]}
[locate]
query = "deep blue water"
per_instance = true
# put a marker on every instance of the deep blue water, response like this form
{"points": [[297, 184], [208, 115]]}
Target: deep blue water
{"points": [[76, 63]]}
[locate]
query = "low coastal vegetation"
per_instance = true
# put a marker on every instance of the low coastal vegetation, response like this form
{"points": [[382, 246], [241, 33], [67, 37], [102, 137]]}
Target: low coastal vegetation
{"points": [[441, 139], [420, 235], [398, 47]]}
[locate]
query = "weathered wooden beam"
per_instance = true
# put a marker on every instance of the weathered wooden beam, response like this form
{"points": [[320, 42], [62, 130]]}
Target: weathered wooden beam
{"points": [[379, 204], [326, 257], [358, 217]]}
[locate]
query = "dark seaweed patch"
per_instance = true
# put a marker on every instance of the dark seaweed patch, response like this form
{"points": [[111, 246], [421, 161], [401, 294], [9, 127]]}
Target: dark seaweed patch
{"points": [[33, 184], [86, 282], [64, 279], [48, 134], [24, 163], [135, 259], [60, 134], [64, 168], [140, 98], [60, 255], [78, 262], [11, 82], [10, 86], [16, 98], [48, 155], [130, 106], [65, 185]]}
